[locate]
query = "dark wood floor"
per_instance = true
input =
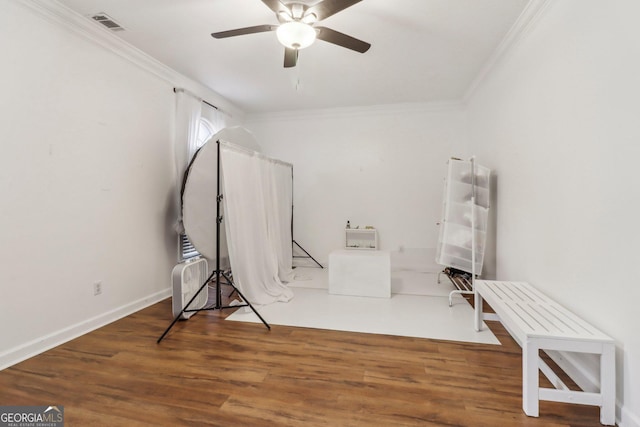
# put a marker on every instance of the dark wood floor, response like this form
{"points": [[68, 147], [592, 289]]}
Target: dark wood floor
{"points": [[211, 372]]}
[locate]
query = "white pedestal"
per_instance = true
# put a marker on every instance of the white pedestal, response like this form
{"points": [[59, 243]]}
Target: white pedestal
{"points": [[360, 273]]}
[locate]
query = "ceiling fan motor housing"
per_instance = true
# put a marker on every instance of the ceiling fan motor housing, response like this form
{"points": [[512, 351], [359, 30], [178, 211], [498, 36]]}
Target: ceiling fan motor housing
{"points": [[296, 12]]}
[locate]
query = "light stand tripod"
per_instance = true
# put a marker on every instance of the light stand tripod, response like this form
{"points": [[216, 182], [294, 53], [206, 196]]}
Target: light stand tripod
{"points": [[218, 273], [293, 242], [308, 254]]}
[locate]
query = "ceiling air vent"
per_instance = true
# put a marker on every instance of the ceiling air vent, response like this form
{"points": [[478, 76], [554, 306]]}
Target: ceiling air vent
{"points": [[107, 21]]}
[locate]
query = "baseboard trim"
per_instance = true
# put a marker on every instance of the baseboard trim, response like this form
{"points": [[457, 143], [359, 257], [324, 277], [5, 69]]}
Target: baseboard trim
{"points": [[582, 372], [628, 419], [47, 342]]}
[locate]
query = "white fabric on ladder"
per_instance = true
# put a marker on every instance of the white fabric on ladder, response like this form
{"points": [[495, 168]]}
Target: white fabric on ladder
{"points": [[254, 261]]}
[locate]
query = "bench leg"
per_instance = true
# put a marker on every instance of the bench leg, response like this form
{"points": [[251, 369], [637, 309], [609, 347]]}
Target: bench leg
{"points": [[608, 385], [530, 379], [477, 303]]}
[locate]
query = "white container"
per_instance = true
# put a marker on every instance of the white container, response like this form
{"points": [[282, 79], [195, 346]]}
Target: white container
{"points": [[361, 238]]}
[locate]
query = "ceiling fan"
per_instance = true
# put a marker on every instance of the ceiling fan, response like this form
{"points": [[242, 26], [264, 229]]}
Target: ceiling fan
{"points": [[297, 28]]}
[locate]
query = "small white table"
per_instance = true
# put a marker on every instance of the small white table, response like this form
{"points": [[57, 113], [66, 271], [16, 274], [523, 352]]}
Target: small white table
{"points": [[360, 273]]}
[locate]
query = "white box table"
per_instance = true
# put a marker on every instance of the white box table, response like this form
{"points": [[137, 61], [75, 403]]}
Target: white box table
{"points": [[360, 273]]}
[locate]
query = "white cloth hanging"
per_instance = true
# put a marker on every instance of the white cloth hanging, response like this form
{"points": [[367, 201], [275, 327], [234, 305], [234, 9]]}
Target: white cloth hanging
{"points": [[277, 181], [254, 260]]}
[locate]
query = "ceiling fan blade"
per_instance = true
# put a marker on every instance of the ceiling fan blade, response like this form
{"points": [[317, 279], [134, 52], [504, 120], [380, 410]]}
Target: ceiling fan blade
{"points": [[243, 31], [326, 8], [275, 5], [290, 57], [335, 37]]}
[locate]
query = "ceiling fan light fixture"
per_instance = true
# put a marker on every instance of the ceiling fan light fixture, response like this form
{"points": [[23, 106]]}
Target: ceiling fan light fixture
{"points": [[296, 34]]}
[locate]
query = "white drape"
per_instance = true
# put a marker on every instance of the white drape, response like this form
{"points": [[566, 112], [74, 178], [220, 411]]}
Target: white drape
{"points": [[188, 110], [214, 121], [218, 119], [277, 185], [248, 215]]}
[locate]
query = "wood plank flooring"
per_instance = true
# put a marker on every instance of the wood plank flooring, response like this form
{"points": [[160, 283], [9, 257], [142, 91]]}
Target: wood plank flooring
{"points": [[216, 373]]}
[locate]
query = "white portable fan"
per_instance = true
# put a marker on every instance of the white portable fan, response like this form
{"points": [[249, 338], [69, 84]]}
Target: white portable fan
{"points": [[187, 278]]}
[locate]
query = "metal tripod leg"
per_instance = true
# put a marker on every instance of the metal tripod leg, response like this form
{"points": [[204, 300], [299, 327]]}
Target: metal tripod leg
{"points": [[184, 309], [308, 254], [246, 302]]}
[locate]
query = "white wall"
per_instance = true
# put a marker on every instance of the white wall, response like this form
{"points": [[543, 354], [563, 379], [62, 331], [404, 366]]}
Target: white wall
{"points": [[382, 166], [557, 119], [87, 183]]}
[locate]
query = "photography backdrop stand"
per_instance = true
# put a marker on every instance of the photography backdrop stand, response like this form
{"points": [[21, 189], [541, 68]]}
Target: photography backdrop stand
{"points": [[218, 273], [293, 241], [307, 256]]}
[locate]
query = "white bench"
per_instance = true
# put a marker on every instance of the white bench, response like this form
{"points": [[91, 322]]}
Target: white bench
{"points": [[538, 323]]}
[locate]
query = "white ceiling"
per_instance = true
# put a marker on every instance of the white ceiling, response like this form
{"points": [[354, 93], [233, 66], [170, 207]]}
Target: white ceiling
{"points": [[422, 50]]}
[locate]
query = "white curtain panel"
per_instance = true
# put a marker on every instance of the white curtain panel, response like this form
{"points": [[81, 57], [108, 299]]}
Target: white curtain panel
{"points": [[188, 110], [278, 187], [254, 262], [218, 120]]}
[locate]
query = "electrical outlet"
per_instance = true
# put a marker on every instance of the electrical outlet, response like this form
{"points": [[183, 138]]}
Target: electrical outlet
{"points": [[97, 288]]}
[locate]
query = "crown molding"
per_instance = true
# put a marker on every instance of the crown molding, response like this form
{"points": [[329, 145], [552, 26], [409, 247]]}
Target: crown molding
{"points": [[356, 111], [526, 22], [59, 14]]}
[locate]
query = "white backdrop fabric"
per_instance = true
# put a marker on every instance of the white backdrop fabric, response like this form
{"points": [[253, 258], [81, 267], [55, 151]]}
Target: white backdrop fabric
{"points": [[255, 223], [277, 183]]}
